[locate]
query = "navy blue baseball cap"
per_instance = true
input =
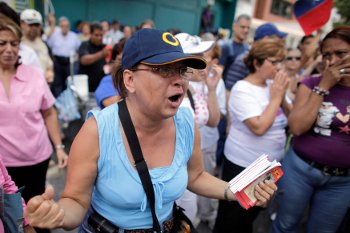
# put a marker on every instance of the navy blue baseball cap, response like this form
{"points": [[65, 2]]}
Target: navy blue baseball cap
{"points": [[268, 29], [156, 47]]}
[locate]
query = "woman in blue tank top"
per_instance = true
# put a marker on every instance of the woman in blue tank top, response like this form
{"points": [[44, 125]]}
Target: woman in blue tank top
{"points": [[153, 80]]}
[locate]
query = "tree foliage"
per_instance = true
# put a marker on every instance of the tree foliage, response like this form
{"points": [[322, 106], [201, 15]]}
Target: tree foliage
{"points": [[343, 7]]}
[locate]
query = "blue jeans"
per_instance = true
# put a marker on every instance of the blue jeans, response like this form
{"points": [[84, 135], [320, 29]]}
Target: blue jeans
{"points": [[328, 197]]}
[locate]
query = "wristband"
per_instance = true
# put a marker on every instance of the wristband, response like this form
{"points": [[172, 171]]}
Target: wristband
{"points": [[60, 146], [320, 91], [225, 192]]}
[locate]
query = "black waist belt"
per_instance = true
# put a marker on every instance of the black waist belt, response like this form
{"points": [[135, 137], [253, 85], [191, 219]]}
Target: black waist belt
{"points": [[328, 170], [61, 60], [102, 225]]}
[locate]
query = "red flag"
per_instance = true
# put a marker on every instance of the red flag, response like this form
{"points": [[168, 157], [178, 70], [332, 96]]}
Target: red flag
{"points": [[312, 14]]}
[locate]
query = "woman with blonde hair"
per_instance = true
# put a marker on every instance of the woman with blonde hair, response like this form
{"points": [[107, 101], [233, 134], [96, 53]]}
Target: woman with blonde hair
{"points": [[292, 68]]}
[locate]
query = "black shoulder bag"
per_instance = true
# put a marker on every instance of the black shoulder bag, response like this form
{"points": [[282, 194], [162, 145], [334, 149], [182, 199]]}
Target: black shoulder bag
{"points": [[182, 224]]}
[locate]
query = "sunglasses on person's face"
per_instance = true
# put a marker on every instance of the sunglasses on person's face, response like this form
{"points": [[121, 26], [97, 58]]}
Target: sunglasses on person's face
{"points": [[293, 58]]}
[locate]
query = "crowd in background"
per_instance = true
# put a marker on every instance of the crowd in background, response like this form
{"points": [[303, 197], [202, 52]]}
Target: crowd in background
{"points": [[290, 103]]}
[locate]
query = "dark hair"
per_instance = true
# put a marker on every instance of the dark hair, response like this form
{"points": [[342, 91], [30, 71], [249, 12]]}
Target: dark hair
{"points": [[174, 31], [7, 24], [95, 26], [9, 12], [118, 80], [114, 21], [304, 38], [118, 48], [341, 32], [263, 49]]}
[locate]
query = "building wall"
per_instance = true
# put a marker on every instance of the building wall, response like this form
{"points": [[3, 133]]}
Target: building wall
{"points": [[263, 11], [185, 14], [260, 10], [182, 14], [19, 5]]}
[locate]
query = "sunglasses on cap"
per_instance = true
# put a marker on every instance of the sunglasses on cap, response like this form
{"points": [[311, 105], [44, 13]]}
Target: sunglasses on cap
{"points": [[293, 58]]}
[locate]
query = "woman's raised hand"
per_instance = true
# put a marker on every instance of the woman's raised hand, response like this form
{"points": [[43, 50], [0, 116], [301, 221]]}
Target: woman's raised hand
{"points": [[333, 74], [43, 212], [214, 73], [279, 86]]}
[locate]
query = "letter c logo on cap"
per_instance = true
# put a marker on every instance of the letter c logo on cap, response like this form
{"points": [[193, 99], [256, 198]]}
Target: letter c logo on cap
{"points": [[173, 41]]}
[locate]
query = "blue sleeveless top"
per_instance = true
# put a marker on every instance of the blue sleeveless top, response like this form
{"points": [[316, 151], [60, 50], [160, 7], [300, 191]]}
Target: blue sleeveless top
{"points": [[118, 194]]}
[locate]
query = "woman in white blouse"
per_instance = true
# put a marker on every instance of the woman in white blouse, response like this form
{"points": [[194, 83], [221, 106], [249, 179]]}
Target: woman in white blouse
{"points": [[257, 124]]}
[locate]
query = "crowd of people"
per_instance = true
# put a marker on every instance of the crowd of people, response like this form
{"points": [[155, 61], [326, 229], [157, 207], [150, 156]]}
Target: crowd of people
{"points": [[202, 108]]}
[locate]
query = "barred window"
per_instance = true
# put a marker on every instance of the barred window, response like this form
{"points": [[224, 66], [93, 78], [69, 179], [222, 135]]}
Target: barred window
{"points": [[281, 8]]}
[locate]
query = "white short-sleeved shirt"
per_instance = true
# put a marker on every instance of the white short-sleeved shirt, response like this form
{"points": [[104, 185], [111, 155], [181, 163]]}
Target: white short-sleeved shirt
{"points": [[28, 56], [242, 146]]}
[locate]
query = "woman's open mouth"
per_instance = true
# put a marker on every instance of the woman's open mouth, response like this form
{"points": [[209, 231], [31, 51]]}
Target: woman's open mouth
{"points": [[175, 100]]}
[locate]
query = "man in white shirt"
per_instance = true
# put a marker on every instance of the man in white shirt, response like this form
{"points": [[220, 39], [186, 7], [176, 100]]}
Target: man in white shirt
{"points": [[64, 44], [114, 33]]}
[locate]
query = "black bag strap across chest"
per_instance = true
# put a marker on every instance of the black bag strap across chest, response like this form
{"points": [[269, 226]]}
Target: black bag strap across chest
{"points": [[140, 162]]}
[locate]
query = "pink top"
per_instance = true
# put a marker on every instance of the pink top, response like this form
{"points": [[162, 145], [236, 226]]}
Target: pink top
{"points": [[9, 187], [24, 138], [200, 99]]}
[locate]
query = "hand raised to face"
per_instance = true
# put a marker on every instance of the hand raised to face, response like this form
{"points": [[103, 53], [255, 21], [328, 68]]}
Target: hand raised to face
{"points": [[214, 74], [279, 86], [334, 73]]}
